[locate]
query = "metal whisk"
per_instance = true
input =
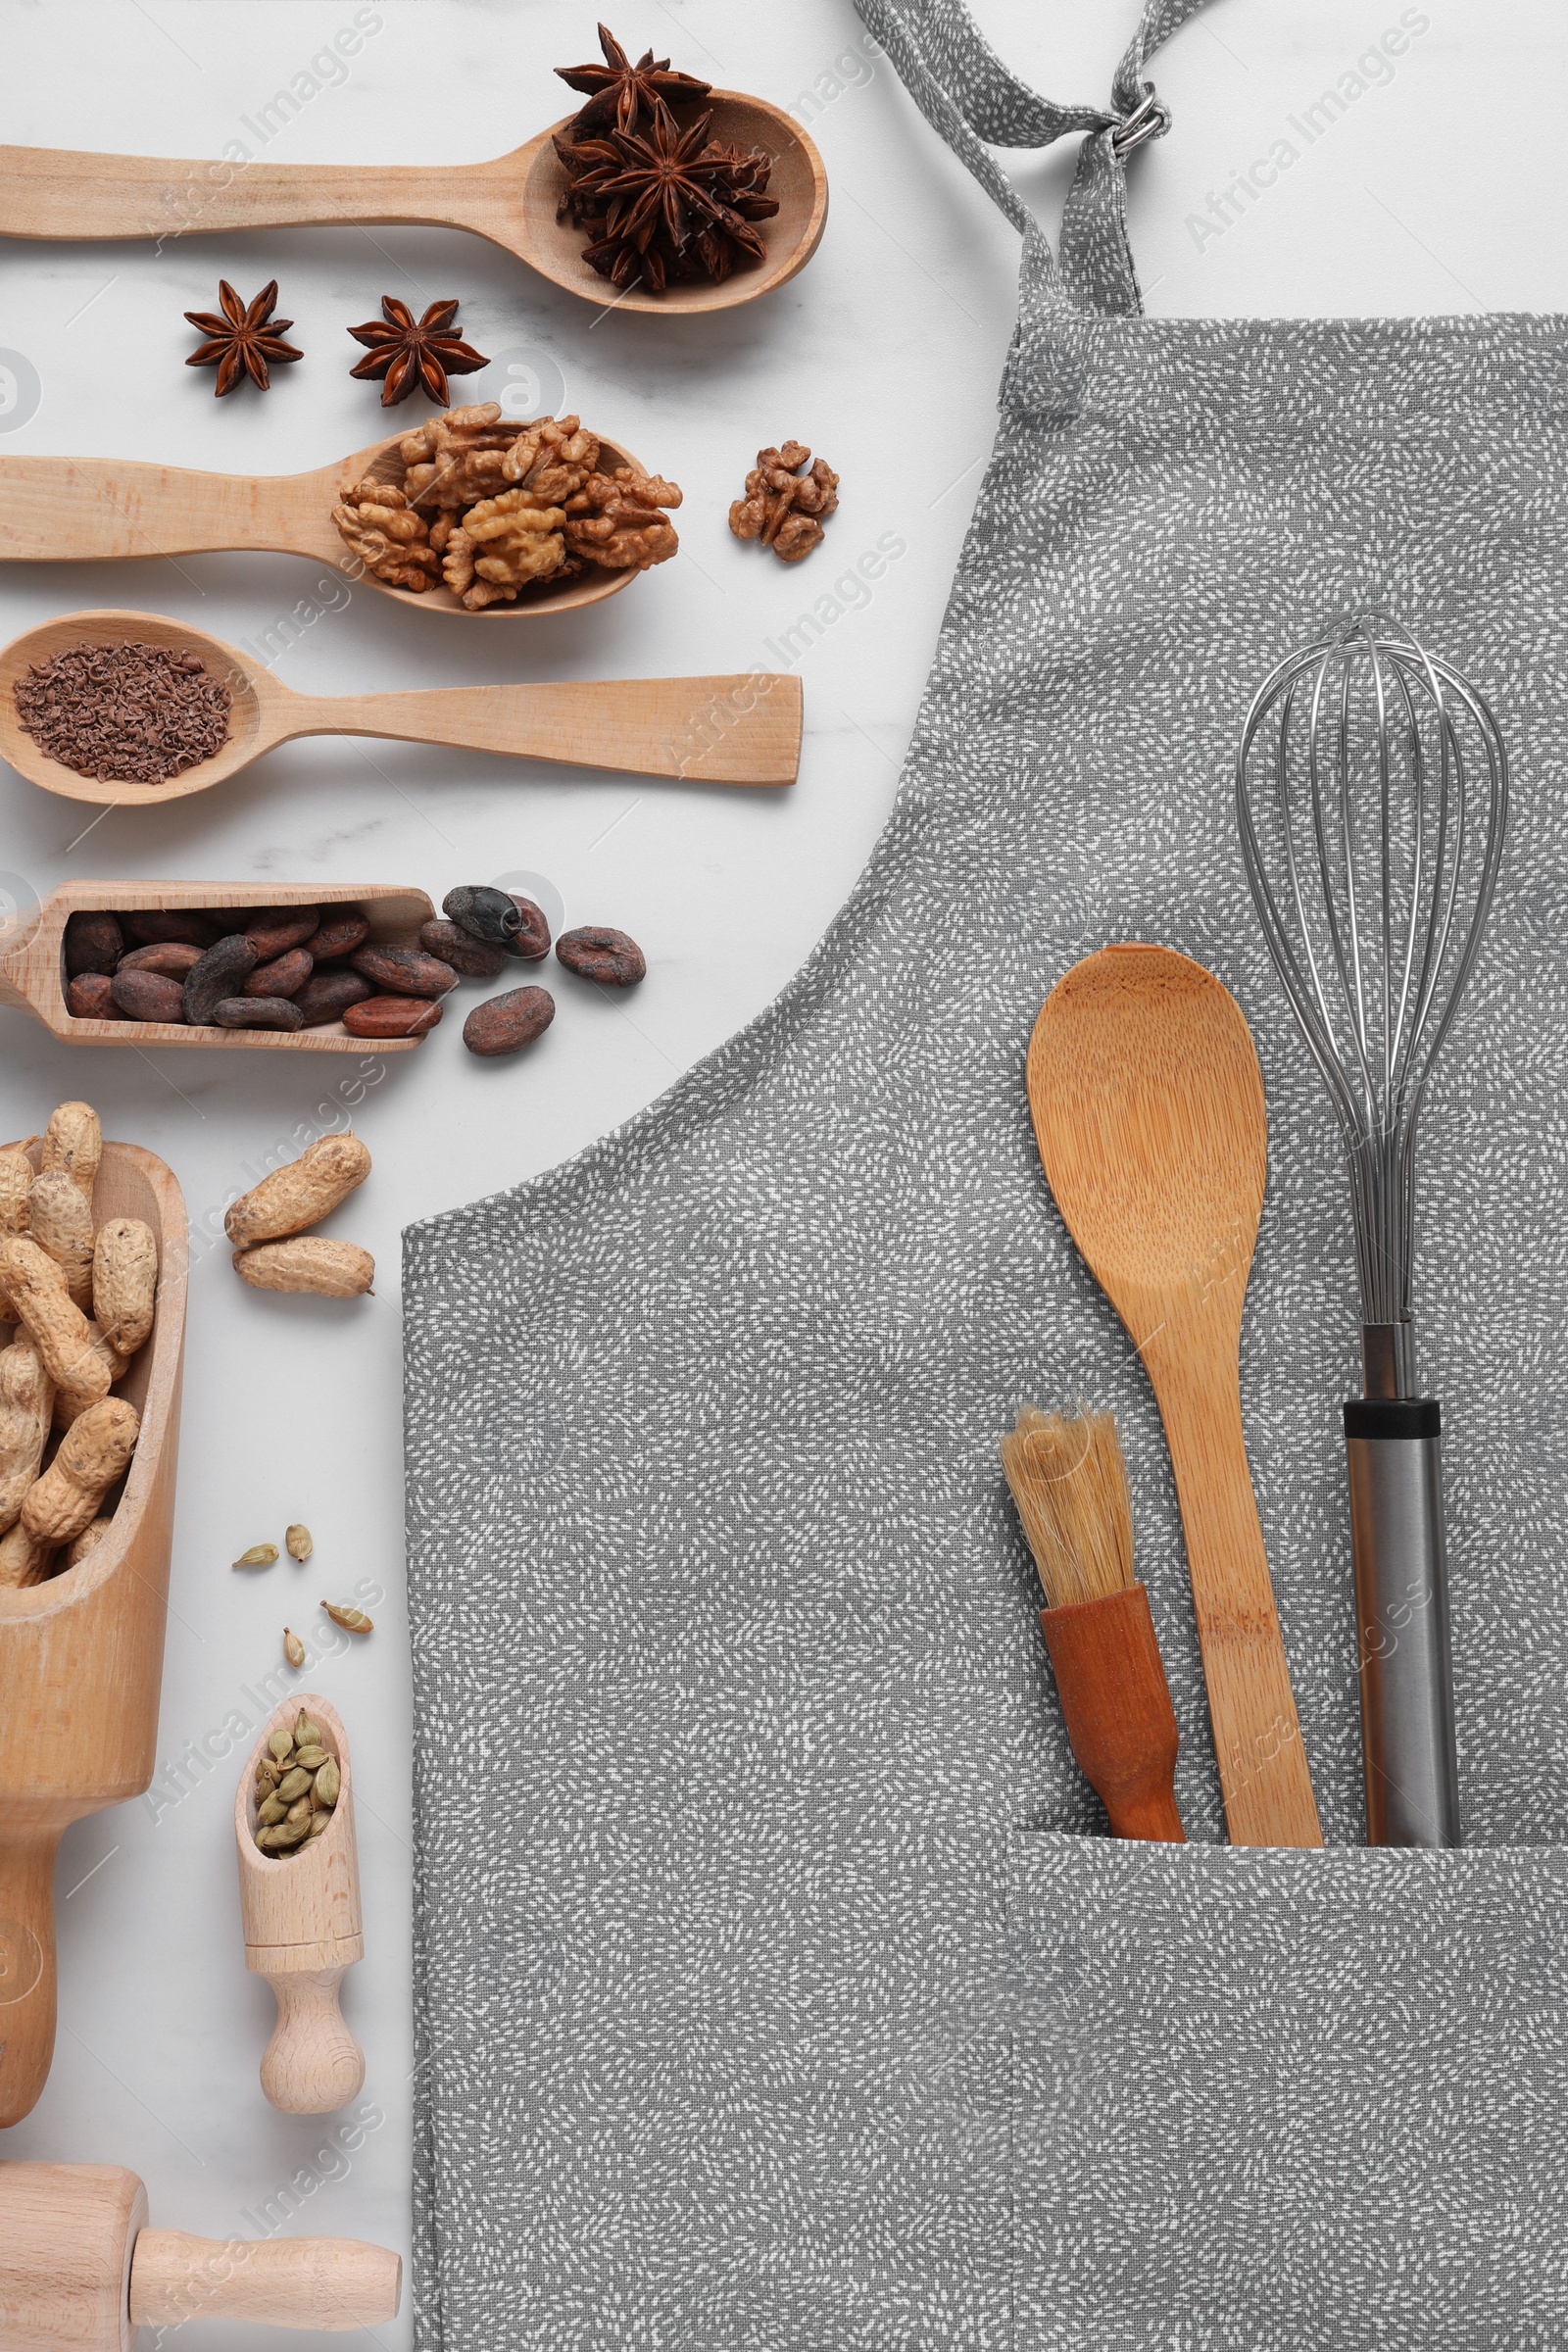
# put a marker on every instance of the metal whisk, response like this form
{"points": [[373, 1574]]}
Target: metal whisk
{"points": [[1372, 794]]}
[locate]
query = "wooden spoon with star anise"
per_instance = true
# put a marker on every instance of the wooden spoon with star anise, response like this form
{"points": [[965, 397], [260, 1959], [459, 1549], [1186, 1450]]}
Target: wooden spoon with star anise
{"points": [[513, 200]]}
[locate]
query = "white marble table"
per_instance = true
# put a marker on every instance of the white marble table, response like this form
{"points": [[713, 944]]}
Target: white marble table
{"points": [[884, 355]]}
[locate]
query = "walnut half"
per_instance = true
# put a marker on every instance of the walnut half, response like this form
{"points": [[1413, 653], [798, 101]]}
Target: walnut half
{"points": [[617, 520], [390, 540], [783, 506], [500, 547]]}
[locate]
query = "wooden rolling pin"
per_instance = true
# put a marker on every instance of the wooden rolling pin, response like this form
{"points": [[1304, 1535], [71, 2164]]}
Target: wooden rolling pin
{"points": [[79, 2268]]}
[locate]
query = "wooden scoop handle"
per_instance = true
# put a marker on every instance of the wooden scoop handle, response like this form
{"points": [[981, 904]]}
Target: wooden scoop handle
{"points": [[718, 730], [329, 2282], [69, 509], [56, 192], [27, 1969], [313, 2065]]}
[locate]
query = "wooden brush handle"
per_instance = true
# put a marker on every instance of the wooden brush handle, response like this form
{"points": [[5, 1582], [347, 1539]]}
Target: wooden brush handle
{"points": [[27, 1968], [313, 2065], [1116, 1702], [328, 2282]]}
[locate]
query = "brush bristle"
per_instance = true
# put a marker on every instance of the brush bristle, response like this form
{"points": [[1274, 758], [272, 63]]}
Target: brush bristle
{"points": [[1069, 1483]]}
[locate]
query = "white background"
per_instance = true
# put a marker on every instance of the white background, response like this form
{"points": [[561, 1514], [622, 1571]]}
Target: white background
{"points": [[1438, 190]]}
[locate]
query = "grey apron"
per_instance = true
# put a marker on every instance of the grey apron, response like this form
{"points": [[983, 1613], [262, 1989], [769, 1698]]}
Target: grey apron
{"points": [[776, 1987]]}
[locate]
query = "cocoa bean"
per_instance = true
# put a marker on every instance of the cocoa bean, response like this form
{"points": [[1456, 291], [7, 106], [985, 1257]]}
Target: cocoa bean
{"points": [[94, 942], [152, 925], [148, 997], [340, 933], [222, 972], [533, 940], [90, 996], [403, 972], [274, 930], [506, 1025], [483, 913], [473, 957], [284, 976], [611, 958], [257, 1013], [328, 996], [392, 1016], [172, 957]]}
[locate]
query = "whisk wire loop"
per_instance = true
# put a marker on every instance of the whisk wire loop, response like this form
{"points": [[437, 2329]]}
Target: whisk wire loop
{"points": [[1373, 781]]}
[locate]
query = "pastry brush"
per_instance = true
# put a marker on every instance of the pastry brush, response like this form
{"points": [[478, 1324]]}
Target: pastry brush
{"points": [[1069, 1483]]}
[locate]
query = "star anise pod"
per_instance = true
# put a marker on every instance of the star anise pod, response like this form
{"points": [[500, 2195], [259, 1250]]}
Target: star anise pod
{"points": [[620, 92], [665, 204], [240, 341], [407, 351]]}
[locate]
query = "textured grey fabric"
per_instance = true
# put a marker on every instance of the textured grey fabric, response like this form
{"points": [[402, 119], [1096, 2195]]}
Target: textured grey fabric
{"points": [[1268, 2101], [724, 2033]]}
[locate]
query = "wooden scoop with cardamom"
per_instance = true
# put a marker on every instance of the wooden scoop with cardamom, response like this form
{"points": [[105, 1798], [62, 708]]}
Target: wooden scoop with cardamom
{"points": [[299, 1895]]}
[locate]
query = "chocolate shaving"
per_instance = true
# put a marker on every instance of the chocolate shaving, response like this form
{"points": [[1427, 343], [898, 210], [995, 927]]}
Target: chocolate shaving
{"points": [[133, 714]]}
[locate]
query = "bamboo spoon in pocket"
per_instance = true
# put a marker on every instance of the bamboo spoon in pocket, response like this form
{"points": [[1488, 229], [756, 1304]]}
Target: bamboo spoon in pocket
{"points": [[1149, 1112], [718, 730], [94, 510], [1070, 1484], [510, 199]]}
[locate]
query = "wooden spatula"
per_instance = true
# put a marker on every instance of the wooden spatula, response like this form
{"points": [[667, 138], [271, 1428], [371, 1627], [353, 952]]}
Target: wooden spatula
{"points": [[1148, 1107]]}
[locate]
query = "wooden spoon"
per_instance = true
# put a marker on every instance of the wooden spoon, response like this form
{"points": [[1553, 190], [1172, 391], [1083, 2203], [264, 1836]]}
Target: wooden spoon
{"points": [[1148, 1112], [303, 1931], [90, 510], [716, 730], [32, 972], [55, 192]]}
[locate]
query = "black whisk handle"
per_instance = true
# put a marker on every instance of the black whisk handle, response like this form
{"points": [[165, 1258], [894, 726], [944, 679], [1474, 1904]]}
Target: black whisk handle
{"points": [[1402, 1609]]}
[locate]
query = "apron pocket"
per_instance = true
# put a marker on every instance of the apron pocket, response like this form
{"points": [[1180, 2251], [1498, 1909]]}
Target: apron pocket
{"points": [[1272, 2101]]}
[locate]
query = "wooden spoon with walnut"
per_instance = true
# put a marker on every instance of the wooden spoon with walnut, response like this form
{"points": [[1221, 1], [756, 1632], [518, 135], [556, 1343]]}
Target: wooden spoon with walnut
{"points": [[90, 510]]}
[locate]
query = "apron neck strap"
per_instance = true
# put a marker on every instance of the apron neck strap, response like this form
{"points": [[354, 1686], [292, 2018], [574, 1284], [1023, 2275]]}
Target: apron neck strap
{"points": [[974, 101]]}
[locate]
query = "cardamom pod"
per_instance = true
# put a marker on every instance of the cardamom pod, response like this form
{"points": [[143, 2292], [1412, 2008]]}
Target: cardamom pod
{"points": [[293, 1647], [318, 1822], [293, 1784], [311, 1758], [272, 1809], [290, 1832], [300, 1811], [260, 1555], [305, 1732], [281, 1744], [328, 1782], [353, 1621], [297, 1540]]}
